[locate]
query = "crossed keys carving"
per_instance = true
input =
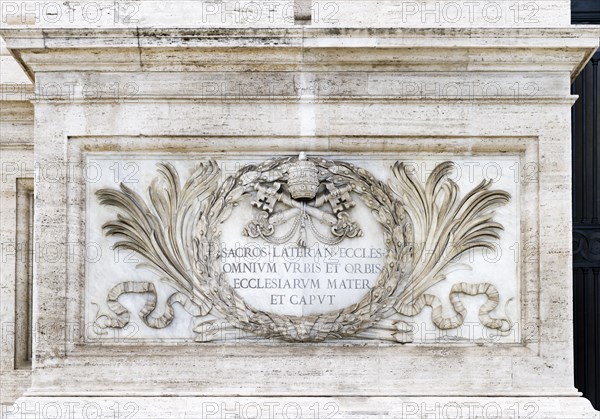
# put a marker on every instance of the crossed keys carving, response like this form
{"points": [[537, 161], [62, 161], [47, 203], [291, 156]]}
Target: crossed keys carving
{"points": [[302, 212]]}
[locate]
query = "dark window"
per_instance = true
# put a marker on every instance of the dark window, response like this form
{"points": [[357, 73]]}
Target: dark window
{"points": [[585, 11]]}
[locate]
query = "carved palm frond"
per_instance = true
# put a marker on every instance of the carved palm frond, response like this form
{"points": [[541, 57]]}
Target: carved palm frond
{"points": [[444, 226], [162, 234]]}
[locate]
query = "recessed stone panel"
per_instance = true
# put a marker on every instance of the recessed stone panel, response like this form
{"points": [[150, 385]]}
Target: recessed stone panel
{"points": [[394, 247]]}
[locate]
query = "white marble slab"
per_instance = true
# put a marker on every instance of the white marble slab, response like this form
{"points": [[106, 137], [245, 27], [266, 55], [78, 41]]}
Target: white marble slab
{"points": [[316, 279]]}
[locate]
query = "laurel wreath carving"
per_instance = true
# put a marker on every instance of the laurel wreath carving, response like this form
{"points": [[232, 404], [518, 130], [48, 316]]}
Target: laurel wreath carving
{"points": [[179, 237]]}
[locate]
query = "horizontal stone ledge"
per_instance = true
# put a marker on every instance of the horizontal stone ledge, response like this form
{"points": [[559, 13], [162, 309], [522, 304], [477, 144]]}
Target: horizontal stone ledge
{"points": [[505, 100], [572, 31], [301, 407], [309, 49], [513, 38]]}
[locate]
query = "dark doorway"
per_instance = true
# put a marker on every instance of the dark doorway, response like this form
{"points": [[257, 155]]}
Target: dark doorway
{"points": [[586, 213]]}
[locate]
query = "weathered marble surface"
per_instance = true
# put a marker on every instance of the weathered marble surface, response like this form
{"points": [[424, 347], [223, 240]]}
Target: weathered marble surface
{"points": [[265, 13], [306, 407], [16, 171], [382, 101]]}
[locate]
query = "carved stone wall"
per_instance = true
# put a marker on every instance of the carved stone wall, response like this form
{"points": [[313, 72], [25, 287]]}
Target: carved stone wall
{"points": [[16, 183], [439, 162]]}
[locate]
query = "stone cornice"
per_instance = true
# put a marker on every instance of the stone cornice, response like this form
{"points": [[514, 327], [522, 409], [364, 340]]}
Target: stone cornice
{"points": [[16, 109], [306, 49]]}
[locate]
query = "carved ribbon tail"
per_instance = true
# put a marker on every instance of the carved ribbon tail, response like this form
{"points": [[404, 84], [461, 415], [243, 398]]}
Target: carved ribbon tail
{"points": [[503, 325], [121, 315]]}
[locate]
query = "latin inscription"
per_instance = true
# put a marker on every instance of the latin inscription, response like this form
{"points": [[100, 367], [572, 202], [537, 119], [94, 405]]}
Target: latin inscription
{"points": [[300, 280]]}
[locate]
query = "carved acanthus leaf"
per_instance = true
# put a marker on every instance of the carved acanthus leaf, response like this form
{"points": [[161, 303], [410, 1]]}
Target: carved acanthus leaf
{"points": [[444, 226], [161, 233]]}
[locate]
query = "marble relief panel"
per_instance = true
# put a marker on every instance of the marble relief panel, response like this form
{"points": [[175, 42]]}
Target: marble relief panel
{"points": [[401, 247]]}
